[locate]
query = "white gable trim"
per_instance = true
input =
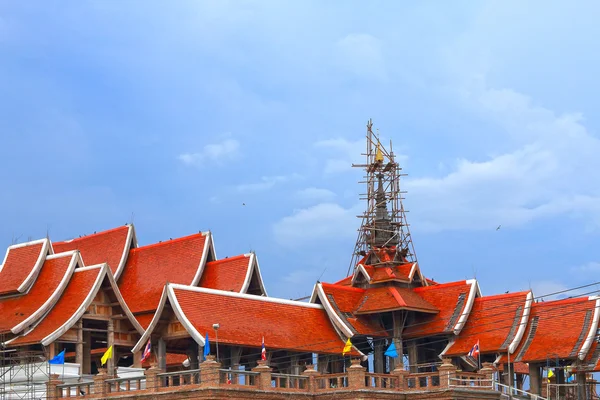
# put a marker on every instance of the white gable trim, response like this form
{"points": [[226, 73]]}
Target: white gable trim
{"points": [[360, 269], [51, 301], [253, 268], [473, 293], [208, 245], [183, 318], [593, 329], [131, 237], [522, 324], [30, 278], [333, 317], [159, 309]]}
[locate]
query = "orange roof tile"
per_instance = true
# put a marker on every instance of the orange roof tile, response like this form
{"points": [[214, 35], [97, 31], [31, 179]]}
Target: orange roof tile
{"points": [[173, 360], [83, 284], [149, 268], [391, 273], [144, 319], [381, 299], [245, 319], [452, 299], [21, 265], [557, 329], [347, 281], [517, 368], [494, 321], [343, 301], [16, 313], [109, 247], [227, 274]]}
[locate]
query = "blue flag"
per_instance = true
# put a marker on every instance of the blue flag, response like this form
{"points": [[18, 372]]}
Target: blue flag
{"points": [[58, 359], [391, 351], [206, 346]]}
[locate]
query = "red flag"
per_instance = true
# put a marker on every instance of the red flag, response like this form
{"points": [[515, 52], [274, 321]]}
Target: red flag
{"points": [[263, 353]]}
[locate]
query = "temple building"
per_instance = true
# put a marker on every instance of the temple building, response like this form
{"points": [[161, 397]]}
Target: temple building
{"points": [[161, 308]]}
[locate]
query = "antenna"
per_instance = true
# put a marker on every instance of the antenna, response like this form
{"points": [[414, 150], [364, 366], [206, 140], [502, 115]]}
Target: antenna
{"points": [[383, 224]]}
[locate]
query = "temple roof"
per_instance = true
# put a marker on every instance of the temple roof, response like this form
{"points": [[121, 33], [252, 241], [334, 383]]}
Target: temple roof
{"points": [[74, 301], [454, 300], [563, 329], [389, 298], [245, 319], [497, 322], [231, 274], [17, 313], [150, 268], [109, 247], [21, 266]]}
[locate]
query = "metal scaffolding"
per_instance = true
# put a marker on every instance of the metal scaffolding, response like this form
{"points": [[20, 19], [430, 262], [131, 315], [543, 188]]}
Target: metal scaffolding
{"points": [[23, 373], [384, 223]]}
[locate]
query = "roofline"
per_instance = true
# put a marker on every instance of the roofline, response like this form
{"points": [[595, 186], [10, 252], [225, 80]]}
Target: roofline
{"points": [[253, 267], [448, 347], [244, 296], [415, 268], [523, 324], [131, 236], [35, 271], [144, 338], [333, 317], [51, 301], [593, 328], [115, 287], [360, 268], [189, 327], [423, 310], [468, 306], [208, 244]]}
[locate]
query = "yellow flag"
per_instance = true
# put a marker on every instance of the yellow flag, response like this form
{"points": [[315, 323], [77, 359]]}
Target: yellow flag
{"points": [[107, 355], [550, 374], [347, 347]]}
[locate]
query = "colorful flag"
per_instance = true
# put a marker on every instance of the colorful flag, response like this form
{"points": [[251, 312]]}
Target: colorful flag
{"points": [[347, 347], [263, 353], [147, 351], [475, 350], [108, 354], [58, 359], [206, 346], [391, 351]]}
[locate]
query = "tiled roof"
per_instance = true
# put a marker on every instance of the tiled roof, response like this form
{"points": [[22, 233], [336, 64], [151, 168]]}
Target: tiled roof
{"points": [[494, 321], [173, 360], [517, 368], [245, 319], [18, 312], [381, 299], [21, 266], [343, 301], [391, 273], [144, 319], [109, 247], [558, 329], [452, 299], [149, 268], [81, 286], [227, 274], [347, 281]]}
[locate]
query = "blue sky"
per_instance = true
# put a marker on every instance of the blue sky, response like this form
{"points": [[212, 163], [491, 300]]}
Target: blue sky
{"points": [[176, 116]]}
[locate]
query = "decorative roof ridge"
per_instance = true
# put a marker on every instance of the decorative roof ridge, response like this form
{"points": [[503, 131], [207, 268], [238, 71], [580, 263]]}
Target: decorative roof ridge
{"points": [[208, 246], [503, 295], [55, 296], [335, 319], [29, 243], [473, 292], [574, 300], [171, 241], [342, 287], [94, 234], [593, 329], [131, 238], [231, 258], [512, 347], [243, 296], [442, 285]]}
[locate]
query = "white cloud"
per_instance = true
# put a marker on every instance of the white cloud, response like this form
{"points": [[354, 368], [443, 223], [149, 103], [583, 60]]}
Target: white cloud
{"points": [[591, 267], [550, 169], [342, 153], [313, 224], [226, 150], [361, 54], [313, 194], [266, 183]]}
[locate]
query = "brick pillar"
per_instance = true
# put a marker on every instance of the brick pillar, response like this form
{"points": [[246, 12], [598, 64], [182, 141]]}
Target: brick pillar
{"points": [[152, 381], [51, 389], [447, 372], [356, 375], [311, 373], [264, 377], [209, 372], [487, 371], [402, 375], [99, 382]]}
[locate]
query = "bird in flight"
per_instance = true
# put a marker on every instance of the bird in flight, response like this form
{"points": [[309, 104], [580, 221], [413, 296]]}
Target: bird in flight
{"points": [[498, 228]]}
